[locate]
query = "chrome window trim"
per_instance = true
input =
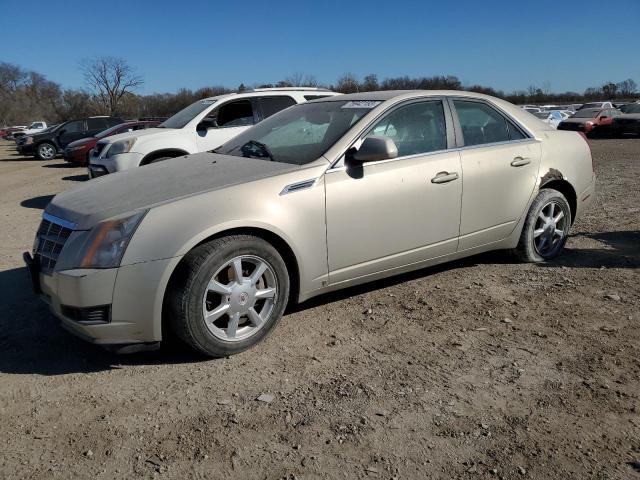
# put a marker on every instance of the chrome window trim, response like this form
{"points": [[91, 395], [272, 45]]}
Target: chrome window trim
{"points": [[59, 221], [340, 168]]}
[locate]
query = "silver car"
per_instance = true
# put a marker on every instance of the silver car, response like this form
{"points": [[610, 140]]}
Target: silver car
{"points": [[318, 197]]}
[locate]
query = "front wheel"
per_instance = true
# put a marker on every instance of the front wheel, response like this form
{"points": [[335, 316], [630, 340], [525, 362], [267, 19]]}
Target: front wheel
{"points": [[546, 227], [46, 151], [228, 294]]}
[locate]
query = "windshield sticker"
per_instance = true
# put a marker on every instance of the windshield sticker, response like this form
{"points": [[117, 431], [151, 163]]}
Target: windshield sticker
{"points": [[362, 104]]}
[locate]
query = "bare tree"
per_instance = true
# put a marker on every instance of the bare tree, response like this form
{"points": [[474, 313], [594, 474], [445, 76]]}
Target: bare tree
{"points": [[300, 79], [347, 83], [110, 79], [627, 87]]}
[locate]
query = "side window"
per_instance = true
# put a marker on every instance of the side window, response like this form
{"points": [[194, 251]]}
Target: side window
{"points": [[271, 105], [97, 124], [235, 114], [415, 128], [74, 127], [480, 123]]}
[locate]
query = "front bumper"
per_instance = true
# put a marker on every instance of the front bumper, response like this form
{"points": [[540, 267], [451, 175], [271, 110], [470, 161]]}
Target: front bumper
{"points": [[75, 156], [131, 294], [117, 163], [26, 149]]}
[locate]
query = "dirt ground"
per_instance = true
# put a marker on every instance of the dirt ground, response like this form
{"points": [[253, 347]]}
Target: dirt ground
{"points": [[483, 368]]}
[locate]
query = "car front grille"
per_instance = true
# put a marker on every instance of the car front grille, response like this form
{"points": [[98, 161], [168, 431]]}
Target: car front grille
{"points": [[88, 315], [50, 240]]}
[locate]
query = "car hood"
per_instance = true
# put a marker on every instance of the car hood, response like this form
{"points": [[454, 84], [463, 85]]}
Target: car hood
{"points": [[81, 142], [139, 134], [139, 188]]}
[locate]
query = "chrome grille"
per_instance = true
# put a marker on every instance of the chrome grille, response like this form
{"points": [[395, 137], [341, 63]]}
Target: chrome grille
{"points": [[50, 239]]}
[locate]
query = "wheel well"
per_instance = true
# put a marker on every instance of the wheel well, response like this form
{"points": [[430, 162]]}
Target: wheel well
{"points": [[169, 152], [278, 243], [569, 193]]}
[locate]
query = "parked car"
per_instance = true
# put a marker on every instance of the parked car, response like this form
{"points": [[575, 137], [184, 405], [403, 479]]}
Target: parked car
{"points": [[554, 117], [628, 123], [78, 151], [35, 127], [591, 121], [600, 105], [532, 109], [28, 140], [321, 196], [202, 126], [48, 145], [9, 131]]}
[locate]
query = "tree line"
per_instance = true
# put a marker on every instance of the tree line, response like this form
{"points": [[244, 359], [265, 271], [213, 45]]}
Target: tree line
{"points": [[111, 85]]}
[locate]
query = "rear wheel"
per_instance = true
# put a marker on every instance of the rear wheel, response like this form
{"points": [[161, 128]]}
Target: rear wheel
{"points": [[546, 227], [46, 151], [228, 294]]}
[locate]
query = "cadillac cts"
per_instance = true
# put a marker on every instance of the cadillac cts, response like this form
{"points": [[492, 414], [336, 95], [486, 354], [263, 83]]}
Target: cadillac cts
{"points": [[319, 197]]}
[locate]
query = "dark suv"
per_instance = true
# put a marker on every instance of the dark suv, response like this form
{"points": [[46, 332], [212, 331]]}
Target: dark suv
{"points": [[46, 145]]}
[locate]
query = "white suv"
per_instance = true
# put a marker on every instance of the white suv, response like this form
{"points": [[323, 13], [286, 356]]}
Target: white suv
{"points": [[200, 127]]}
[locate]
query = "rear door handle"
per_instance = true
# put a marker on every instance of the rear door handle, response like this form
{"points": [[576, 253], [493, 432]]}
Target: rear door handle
{"points": [[444, 177], [520, 161]]}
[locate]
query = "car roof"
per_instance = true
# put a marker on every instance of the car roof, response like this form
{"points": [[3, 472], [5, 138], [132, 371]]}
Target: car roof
{"points": [[385, 95], [256, 92]]}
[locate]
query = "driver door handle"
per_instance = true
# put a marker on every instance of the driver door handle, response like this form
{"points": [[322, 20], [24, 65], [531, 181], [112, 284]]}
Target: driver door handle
{"points": [[444, 177], [520, 161]]}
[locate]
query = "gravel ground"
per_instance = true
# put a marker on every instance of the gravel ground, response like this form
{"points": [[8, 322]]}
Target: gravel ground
{"points": [[483, 368]]}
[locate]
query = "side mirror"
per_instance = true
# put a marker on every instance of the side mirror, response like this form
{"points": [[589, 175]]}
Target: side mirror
{"points": [[206, 124], [374, 148], [603, 117]]}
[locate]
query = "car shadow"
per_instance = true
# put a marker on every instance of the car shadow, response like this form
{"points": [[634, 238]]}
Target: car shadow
{"points": [[33, 342], [57, 165], [619, 250], [76, 178], [38, 203]]}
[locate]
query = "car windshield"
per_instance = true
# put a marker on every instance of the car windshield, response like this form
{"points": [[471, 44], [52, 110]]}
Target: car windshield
{"points": [[184, 116], [299, 134], [592, 113], [541, 114]]}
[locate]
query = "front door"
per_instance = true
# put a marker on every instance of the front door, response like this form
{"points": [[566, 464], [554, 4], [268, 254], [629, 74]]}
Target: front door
{"points": [[500, 166], [396, 212], [231, 119]]}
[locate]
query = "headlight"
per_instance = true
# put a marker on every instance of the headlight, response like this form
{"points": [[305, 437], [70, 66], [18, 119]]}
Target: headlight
{"points": [[122, 146], [108, 240], [28, 141]]}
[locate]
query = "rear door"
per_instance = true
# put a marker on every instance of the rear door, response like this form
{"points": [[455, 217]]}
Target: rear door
{"points": [[268, 106], [500, 163]]}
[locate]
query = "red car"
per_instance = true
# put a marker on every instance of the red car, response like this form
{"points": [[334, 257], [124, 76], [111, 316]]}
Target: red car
{"points": [[78, 152], [590, 120]]}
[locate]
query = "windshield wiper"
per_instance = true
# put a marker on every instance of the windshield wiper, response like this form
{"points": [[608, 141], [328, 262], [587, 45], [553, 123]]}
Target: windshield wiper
{"points": [[261, 146]]}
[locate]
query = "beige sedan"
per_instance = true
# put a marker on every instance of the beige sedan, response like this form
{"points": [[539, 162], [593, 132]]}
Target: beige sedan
{"points": [[319, 197]]}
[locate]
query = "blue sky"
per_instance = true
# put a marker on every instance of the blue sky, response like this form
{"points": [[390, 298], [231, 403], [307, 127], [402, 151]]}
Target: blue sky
{"points": [[193, 43]]}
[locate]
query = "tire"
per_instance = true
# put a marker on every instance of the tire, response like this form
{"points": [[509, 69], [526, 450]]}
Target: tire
{"points": [[199, 288], [542, 238], [46, 151]]}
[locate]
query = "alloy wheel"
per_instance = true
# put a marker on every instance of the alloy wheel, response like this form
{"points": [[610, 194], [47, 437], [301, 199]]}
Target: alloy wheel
{"points": [[550, 229], [239, 298]]}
